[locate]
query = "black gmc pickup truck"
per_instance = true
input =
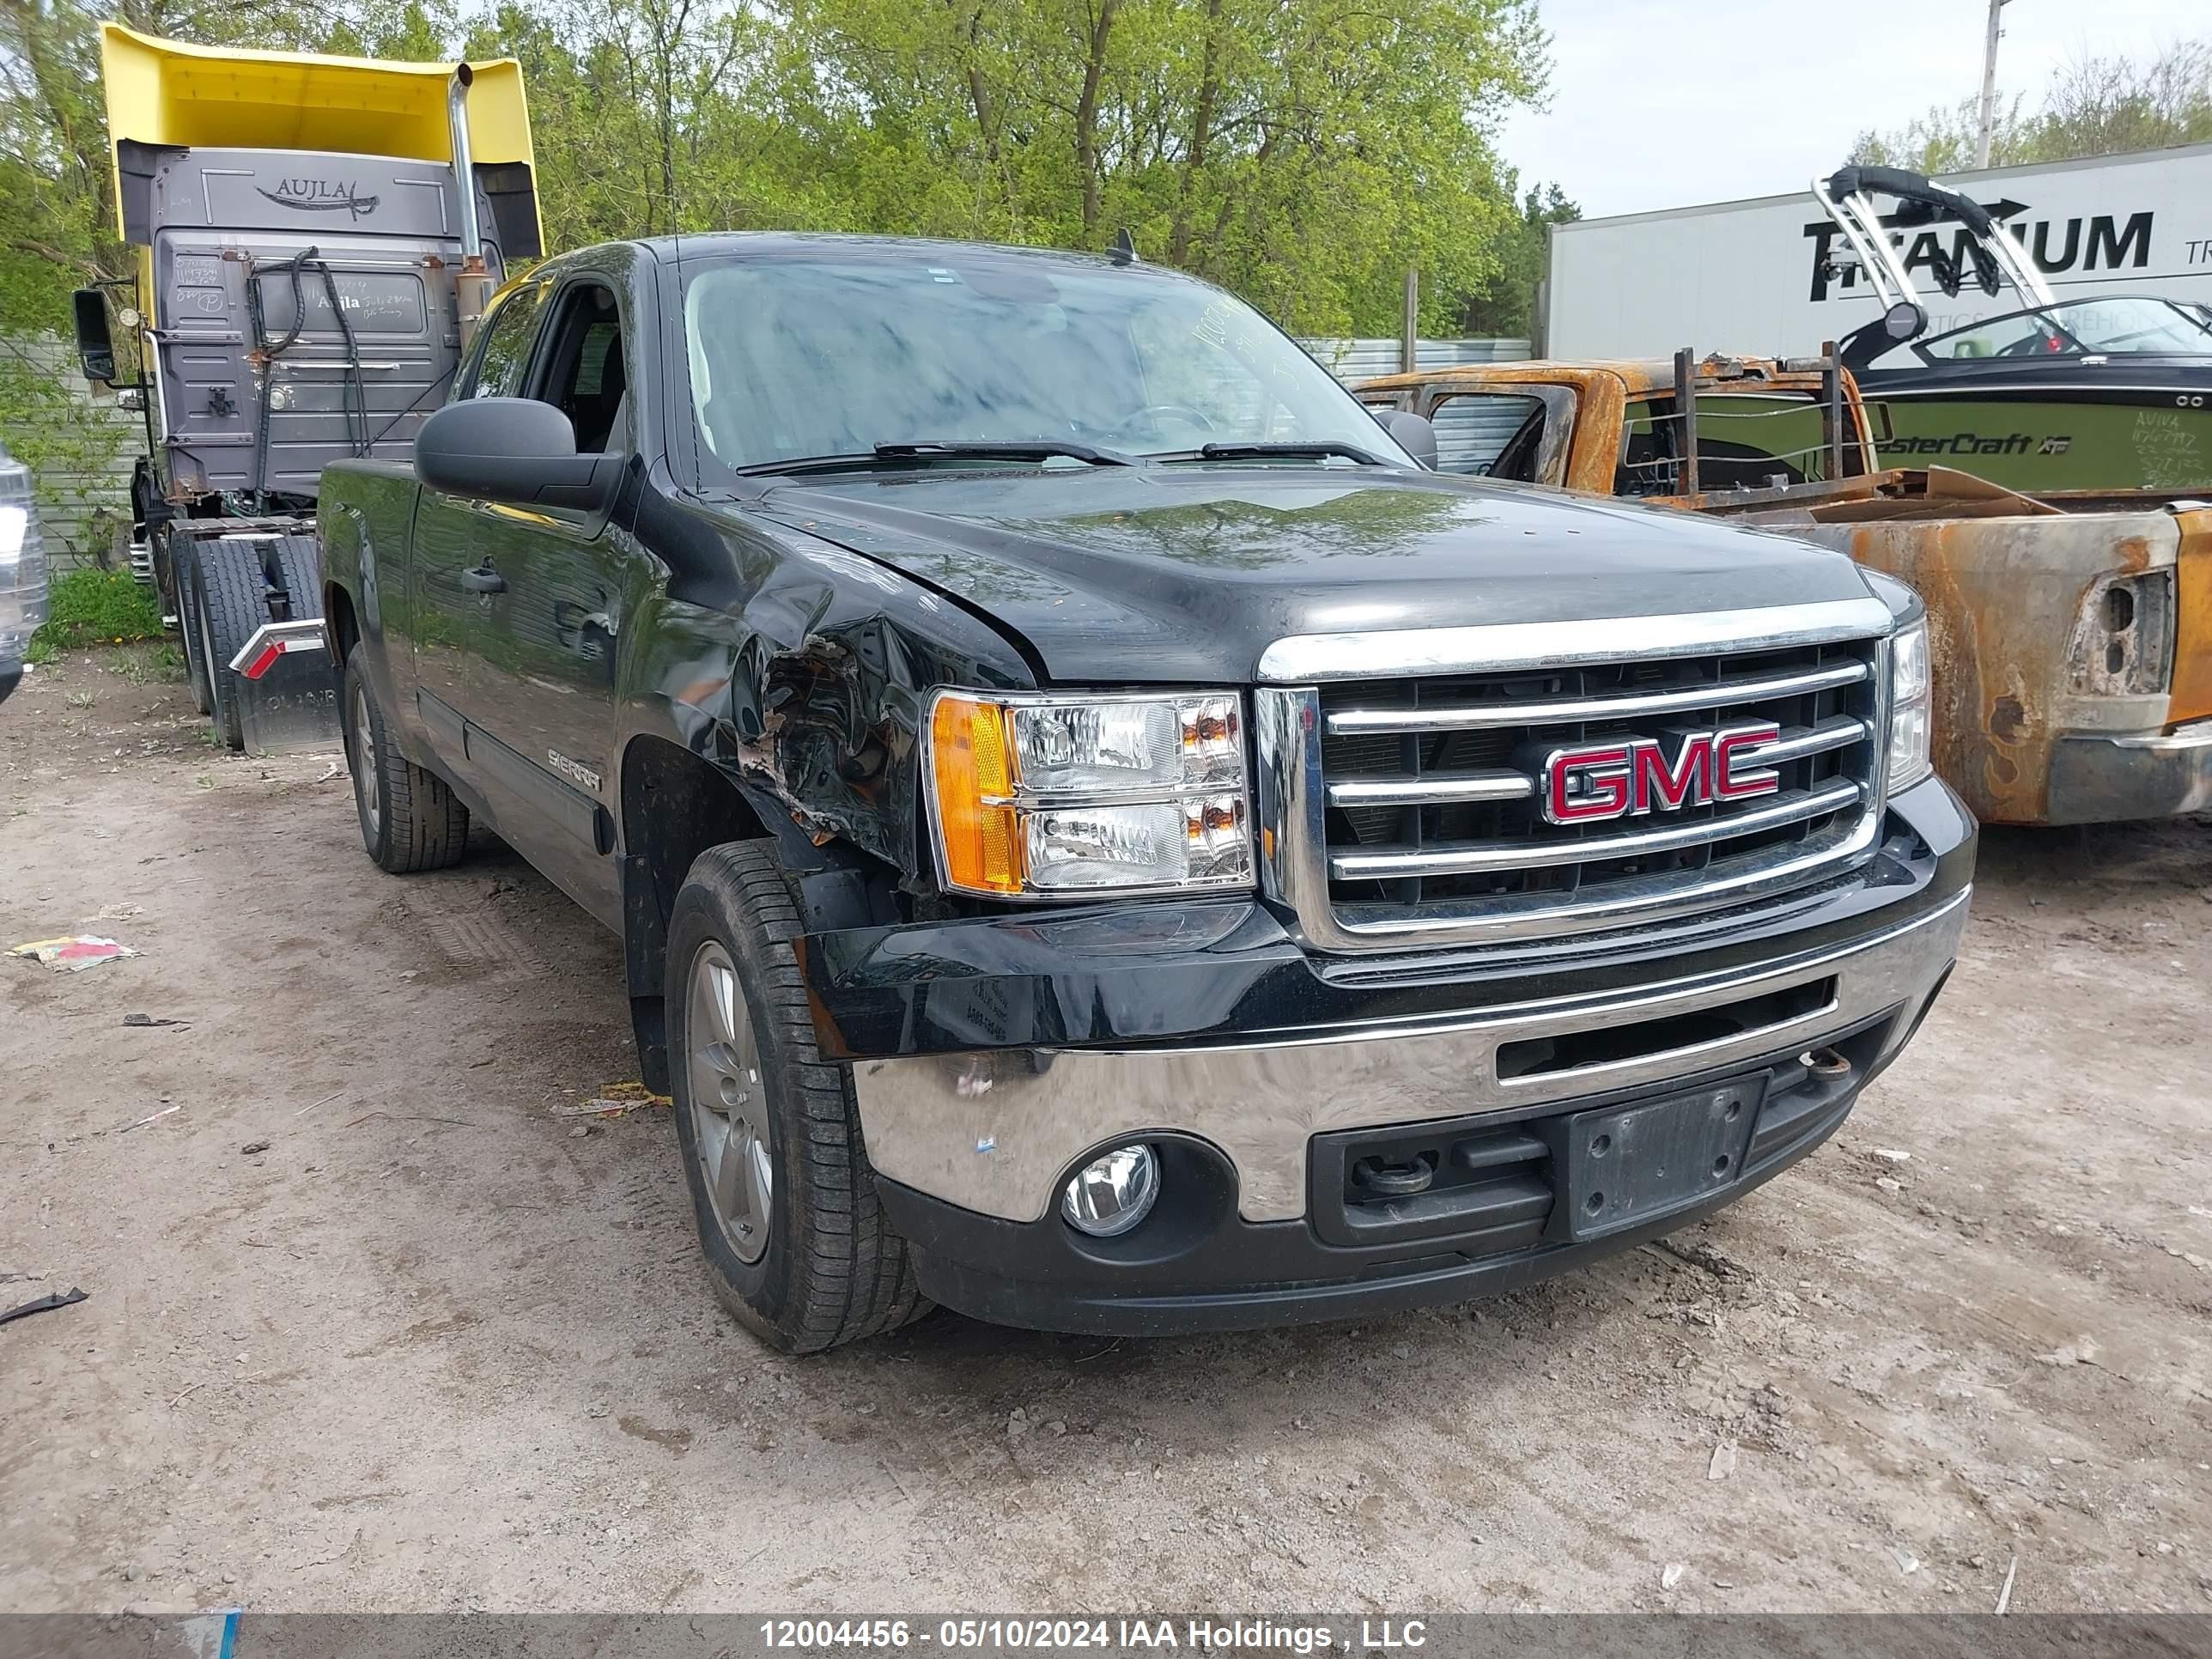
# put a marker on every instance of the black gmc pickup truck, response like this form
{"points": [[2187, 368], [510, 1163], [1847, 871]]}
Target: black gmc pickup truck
{"points": [[1101, 838]]}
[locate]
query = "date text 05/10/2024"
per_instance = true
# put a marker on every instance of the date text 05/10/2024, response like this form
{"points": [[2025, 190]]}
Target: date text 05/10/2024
{"points": [[1050, 1634]]}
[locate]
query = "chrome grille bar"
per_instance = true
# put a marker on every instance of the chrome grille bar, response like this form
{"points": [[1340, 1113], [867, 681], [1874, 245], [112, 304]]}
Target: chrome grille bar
{"points": [[1798, 741], [1436, 788], [1389, 864], [1714, 694]]}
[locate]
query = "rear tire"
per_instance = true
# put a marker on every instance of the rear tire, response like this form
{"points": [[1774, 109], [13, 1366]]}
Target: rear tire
{"points": [[411, 819], [232, 604], [184, 578], [799, 1200], [300, 566]]}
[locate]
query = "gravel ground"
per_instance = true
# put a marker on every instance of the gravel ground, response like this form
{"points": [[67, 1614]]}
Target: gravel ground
{"points": [[429, 1346]]}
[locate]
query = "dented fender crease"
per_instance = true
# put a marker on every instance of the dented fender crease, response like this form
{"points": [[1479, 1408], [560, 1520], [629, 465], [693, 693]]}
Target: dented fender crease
{"points": [[767, 660]]}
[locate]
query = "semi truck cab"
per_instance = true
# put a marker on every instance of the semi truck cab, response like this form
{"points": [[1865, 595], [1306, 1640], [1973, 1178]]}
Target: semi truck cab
{"points": [[308, 270]]}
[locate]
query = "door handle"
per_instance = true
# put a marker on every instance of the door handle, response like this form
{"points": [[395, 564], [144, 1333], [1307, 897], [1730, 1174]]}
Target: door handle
{"points": [[483, 579]]}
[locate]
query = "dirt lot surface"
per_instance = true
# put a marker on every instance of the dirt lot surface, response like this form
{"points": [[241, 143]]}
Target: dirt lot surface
{"points": [[430, 1347]]}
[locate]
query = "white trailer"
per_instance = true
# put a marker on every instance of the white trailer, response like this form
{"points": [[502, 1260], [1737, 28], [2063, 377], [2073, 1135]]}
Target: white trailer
{"points": [[1774, 275]]}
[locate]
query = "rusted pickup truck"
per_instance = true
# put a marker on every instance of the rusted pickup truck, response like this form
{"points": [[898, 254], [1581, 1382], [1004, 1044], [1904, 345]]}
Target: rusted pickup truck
{"points": [[2071, 634]]}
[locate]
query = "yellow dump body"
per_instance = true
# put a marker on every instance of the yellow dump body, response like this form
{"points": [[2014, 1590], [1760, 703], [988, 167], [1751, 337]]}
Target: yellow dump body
{"points": [[169, 91]]}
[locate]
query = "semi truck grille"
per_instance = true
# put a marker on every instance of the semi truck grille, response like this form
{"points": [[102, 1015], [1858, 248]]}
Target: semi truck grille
{"points": [[1435, 814]]}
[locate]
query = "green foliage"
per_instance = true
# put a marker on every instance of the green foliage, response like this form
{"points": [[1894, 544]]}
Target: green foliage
{"points": [[1506, 307], [1301, 152], [2096, 107], [95, 607]]}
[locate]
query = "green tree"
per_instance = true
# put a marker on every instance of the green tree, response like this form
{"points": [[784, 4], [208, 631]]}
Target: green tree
{"points": [[1305, 155], [1506, 307], [2096, 107]]}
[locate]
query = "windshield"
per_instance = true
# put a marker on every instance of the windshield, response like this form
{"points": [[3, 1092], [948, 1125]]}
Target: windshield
{"points": [[2124, 324], [833, 354]]}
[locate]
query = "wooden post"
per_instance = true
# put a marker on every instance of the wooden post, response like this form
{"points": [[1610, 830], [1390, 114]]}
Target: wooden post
{"points": [[1686, 405], [1409, 336]]}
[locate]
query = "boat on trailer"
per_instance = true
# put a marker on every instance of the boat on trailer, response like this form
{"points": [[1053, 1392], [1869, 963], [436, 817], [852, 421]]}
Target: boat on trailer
{"points": [[2113, 393]]}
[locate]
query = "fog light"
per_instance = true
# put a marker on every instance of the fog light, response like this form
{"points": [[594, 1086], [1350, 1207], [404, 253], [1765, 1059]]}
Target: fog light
{"points": [[1112, 1192]]}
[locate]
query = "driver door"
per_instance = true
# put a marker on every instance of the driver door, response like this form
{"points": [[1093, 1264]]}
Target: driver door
{"points": [[453, 563]]}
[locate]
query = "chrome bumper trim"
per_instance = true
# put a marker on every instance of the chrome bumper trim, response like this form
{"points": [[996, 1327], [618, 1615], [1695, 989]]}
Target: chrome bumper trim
{"points": [[2182, 740], [996, 1131]]}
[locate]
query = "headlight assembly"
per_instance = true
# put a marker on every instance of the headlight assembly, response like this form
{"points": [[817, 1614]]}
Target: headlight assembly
{"points": [[1078, 794], [1909, 759]]}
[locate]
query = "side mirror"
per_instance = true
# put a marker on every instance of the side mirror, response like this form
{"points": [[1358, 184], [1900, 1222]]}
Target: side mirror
{"points": [[515, 451], [1413, 433], [95, 352]]}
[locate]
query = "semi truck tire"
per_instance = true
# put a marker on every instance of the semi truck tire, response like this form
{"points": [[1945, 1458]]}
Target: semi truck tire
{"points": [[300, 567], [411, 819], [184, 578], [796, 1246], [233, 603]]}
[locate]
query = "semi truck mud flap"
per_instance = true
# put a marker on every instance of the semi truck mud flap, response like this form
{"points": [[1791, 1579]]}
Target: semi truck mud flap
{"points": [[287, 690]]}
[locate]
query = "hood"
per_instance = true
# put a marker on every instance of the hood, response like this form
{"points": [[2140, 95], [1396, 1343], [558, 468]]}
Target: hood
{"points": [[1183, 575]]}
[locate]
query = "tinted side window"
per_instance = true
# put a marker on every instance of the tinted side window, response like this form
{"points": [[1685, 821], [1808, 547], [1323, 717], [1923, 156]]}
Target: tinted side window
{"points": [[584, 375], [510, 330]]}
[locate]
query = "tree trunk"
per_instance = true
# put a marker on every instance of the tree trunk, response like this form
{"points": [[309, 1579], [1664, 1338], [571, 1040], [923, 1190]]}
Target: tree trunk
{"points": [[1086, 114], [1201, 134]]}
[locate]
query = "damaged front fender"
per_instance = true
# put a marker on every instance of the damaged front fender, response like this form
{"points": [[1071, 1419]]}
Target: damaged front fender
{"points": [[801, 672]]}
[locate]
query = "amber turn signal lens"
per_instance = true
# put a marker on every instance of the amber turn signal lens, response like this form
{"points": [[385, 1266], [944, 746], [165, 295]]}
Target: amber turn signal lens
{"points": [[973, 774]]}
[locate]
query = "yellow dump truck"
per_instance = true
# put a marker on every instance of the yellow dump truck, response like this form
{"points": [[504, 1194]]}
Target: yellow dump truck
{"points": [[309, 270], [2071, 634]]}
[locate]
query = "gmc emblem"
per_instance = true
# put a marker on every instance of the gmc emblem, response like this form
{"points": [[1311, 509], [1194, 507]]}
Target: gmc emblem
{"points": [[1627, 776]]}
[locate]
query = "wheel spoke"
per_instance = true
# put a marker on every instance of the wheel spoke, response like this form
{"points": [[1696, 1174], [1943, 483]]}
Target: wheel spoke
{"points": [[764, 1173], [723, 986], [728, 1104], [732, 1178]]}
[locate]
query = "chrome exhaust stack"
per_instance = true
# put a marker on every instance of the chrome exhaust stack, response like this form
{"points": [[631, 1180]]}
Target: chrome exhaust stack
{"points": [[472, 287]]}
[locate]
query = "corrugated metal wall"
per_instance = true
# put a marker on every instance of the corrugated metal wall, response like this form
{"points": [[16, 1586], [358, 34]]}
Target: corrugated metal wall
{"points": [[80, 504], [1469, 432]]}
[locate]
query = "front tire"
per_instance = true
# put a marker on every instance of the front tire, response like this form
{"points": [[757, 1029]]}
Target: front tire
{"points": [[411, 819], [796, 1246]]}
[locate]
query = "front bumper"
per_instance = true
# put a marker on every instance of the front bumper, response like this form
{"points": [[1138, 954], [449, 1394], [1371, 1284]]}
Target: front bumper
{"points": [[1203, 1268], [990, 1059], [2101, 780]]}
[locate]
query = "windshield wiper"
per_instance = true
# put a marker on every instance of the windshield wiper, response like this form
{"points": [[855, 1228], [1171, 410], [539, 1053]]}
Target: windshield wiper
{"points": [[954, 449], [1303, 449], [1024, 449]]}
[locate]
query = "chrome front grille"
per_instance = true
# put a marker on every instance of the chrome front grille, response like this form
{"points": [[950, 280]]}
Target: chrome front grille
{"points": [[1409, 810]]}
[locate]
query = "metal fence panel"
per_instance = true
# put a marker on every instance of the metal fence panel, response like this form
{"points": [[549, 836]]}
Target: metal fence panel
{"points": [[79, 448]]}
